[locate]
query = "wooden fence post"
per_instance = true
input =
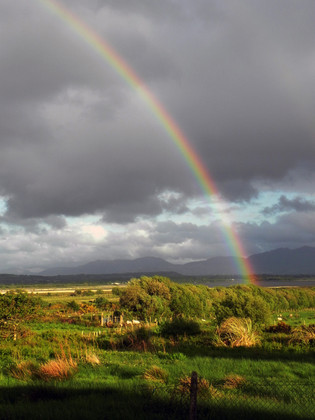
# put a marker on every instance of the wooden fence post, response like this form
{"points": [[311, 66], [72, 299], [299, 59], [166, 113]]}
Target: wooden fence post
{"points": [[193, 396]]}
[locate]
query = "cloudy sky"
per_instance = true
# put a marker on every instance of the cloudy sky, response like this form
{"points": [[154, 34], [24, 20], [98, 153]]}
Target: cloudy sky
{"points": [[88, 172]]}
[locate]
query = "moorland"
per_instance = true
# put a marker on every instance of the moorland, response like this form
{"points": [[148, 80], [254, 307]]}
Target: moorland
{"points": [[128, 351]]}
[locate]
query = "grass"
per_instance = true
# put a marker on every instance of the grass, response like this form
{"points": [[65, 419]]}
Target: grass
{"points": [[122, 387], [60, 369], [295, 317], [237, 332], [155, 373]]}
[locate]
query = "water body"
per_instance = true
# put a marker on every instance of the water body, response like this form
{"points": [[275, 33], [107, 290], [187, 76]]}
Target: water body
{"points": [[264, 283]]}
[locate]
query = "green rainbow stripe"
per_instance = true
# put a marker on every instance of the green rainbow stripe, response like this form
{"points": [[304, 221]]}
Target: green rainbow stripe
{"points": [[174, 132]]}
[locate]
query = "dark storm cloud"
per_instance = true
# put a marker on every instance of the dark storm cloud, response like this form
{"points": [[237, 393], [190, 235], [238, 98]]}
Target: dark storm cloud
{"points": [[31, 225], [290, 230], [77, 140], [286, 205]]}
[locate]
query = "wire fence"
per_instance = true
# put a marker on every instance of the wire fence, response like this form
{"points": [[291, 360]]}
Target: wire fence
{"points": [[194, 398]]}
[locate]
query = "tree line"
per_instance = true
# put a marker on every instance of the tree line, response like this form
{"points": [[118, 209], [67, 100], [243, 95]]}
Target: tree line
{"points": [[157, 296]]}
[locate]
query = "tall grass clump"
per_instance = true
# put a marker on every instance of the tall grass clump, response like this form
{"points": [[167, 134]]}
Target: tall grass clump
{"points": [[23, 371], [233, 381], [303, 335], [155, 373], [237, 332], [58, 369], [205, 389]]}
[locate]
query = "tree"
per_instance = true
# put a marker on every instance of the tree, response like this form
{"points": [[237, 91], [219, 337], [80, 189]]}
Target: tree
{"points": [[146, 297], [17, 306], [101, 302]]}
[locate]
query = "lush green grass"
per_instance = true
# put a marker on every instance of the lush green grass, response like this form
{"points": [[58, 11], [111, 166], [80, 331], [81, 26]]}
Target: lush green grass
{"points": [[296, 317], [114, 387], [112, 375]]}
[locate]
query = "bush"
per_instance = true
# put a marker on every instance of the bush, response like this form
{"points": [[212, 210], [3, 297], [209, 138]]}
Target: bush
{"points": [[281, 327], [303, 335], [233, 381], [171, 356], [205, 389], [17, 306], [138, 340], [73, 305], [101, 302], [180, 326], [242, 305], [155, 373], [24, 370], [59, 369], [117, 291], [237, 332]]}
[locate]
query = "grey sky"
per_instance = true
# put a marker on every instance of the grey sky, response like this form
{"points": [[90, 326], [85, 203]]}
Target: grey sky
{"points": [[79, 147]]}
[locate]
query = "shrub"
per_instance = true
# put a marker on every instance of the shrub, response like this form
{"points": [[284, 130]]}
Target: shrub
{"points": [[303, 335], [101, 302], [155, 373], [139, 339], [24, 370], [92, 359], [73, 305], [205, 389], [17, 306], [180, 326], [105, 343], [236, 332], [171, 356], [117, 291], [233, 381], [242, 305], [59, 369], [281, 327]]}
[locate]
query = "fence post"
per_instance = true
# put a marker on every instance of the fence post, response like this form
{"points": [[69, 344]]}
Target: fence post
{"points": [[193, 396]]}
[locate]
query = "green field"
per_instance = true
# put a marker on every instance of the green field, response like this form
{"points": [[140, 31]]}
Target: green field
{"points": [[59, 362]]}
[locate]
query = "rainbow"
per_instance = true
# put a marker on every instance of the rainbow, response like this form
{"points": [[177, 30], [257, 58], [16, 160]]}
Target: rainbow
{"points": [[100, 46]]}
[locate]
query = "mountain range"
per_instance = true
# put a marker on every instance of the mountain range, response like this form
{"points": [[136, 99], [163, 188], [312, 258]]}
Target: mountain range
{"points": [[280, 261]]}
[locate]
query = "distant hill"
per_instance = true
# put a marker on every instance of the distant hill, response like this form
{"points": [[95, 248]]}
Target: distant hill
{"points": [[285, 261], [279, 261], [139, 265]]}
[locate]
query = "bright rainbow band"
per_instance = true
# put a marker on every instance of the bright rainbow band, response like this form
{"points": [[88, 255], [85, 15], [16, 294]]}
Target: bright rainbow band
{"points": [[167, 122]]}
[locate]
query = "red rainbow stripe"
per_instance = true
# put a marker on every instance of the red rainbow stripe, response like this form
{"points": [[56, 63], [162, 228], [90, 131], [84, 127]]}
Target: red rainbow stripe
{"points": [[191, 157]]}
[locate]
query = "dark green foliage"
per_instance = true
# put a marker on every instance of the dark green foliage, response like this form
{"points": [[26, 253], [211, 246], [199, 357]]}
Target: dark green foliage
{"points": [[83, 292], [138, 339], [281, 327], [180, 326], [17, 305], [146, 297], [73, 305], [242, 304], [187, 300], [157, 297], [101, 302], [116, 291]]}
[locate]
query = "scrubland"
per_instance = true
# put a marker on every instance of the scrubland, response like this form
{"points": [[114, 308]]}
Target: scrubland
{"points": [[75, 356]]}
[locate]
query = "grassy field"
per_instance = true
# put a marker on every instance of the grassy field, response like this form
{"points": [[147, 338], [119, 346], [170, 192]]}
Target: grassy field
{"points": [[296, 317], [62, 363]]}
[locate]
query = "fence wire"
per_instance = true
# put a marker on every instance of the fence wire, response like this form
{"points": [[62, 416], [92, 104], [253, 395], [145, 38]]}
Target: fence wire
{"points": [[250, 400]]}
